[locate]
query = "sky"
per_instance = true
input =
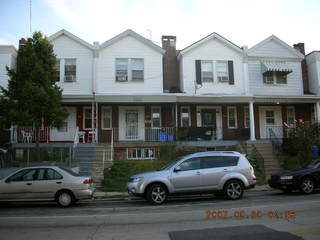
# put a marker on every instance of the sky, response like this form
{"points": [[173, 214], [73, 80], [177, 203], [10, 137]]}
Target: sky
{"points": [[244, 22]]}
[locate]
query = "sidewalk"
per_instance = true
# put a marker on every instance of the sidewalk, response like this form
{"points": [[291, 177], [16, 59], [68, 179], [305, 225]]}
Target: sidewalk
{"points": [[123, 195]]}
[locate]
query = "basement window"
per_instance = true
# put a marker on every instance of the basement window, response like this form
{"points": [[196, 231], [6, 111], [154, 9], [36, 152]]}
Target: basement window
{"points": [[141, 153]]}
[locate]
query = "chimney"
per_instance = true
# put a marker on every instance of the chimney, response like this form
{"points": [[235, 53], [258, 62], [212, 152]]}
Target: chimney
{"points": [[300, 47], [305, 78], [22, 42], [170, 65]]}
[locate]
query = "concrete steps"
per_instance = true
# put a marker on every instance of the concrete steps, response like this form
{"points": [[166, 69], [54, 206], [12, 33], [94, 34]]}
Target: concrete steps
{"points": [[271, 163], [93, 159]]}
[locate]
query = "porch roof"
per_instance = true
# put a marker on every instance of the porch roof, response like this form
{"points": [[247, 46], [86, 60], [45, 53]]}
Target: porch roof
{"points": [[275, 67], [163, 98], [287, 99]]}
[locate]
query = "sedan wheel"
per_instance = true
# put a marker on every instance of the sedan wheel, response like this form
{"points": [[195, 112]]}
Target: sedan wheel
{"points": [[156, 194], [65, 199], [233, 190], [307, 186]]}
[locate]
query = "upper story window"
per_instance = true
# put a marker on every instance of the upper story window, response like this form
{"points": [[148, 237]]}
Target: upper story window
{"points": [[70, 70], [137, 69], [232, 117], [129, 69], [222, 71], [122, 69], [156, 117], [275, 78], [210, 71], [206, 71], [57, 68]]}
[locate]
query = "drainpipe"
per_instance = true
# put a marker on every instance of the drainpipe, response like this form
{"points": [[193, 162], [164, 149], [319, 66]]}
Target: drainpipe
{"points": [[95, 121], [317, 108]]}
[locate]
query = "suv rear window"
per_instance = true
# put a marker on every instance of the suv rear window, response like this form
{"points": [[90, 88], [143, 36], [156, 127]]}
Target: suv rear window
{"points": [[219, 161]]}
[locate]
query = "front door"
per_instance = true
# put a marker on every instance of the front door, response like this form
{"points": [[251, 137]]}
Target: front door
{"points": [[208, 118], [132, 117], [270, 118]]}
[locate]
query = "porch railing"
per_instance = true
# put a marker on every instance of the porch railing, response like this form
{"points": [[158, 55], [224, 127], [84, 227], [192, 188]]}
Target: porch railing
{"points": [[30, 134]]}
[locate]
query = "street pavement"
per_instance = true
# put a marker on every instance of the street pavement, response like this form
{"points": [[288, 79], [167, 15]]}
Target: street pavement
{"points": [[259, 215]]}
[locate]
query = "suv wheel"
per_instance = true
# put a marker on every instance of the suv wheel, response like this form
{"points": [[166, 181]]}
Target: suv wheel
{"points": [[156, 194], [307, 185], [65, 199], [233, 189]]}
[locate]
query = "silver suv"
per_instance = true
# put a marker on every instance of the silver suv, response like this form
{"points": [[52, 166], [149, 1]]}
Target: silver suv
{"points": [[223, 173]]}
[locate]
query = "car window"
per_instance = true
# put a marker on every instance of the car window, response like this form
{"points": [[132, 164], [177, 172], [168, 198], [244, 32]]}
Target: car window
{"points": [[48, 174], [218, 161], [24, 175], [190, 164]]}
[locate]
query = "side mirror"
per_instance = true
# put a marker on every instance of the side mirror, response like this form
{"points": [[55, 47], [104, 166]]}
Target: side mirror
{"points": [[177, 169]]}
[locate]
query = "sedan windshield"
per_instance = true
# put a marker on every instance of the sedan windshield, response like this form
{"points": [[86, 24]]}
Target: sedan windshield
{"points": [[314, 164]]}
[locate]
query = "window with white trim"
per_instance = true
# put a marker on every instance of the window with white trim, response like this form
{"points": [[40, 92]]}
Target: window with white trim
{"points": [[141, 153], [87, 118], [155, 117], [70, 70], [222, 71], [232, 117], [106, 118], [206, 71], [270, 119], [137, 69], [291, 115], [275, 77], [185, 117], [122, 69], [246, 117]]}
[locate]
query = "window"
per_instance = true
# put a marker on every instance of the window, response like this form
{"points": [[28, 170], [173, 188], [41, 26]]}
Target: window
{"points": [[121, 69], [137, 69], [141, 153], [268, 78], [270, 117], [57, 68], [219, 161], [275, 77], [232, 117], [87, 118], [246, 117], [185, 117], [155, 117], [222, 71], [290, 115], [281, 77], [190, 164], [106, 118], [64, 127], [206, 71], [24, 175], [70, 70], [48, 174]]}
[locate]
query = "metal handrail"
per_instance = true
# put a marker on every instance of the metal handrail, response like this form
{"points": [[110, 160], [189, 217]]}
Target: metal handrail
{"points": [[276, 142]]}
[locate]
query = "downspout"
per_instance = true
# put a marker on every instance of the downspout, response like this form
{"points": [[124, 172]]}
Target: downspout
{"points": [[94, 89]]}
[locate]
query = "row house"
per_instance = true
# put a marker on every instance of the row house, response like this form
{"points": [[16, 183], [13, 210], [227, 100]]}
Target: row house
{"points": [[135, 95]]}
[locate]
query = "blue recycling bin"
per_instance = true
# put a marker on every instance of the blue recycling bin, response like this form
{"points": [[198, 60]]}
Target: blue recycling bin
{"points": [[163, 137]]}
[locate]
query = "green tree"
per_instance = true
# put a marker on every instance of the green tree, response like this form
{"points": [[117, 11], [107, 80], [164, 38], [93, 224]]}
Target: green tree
{"points": [[32, 95]]}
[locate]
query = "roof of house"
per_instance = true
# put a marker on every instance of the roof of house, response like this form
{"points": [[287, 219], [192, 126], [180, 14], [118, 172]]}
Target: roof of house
{"points": [[71, 36], [8, 49], [135, 35], [280, 42], [207, 38]]}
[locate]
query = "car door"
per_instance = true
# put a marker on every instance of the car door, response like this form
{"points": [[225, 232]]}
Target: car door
{"points": [[47, 184], [19, 186], [188, 178], [213, 169]]}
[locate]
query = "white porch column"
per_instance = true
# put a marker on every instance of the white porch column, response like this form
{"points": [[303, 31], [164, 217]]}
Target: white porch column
{"points": [[252, 126], [317, 111]]}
